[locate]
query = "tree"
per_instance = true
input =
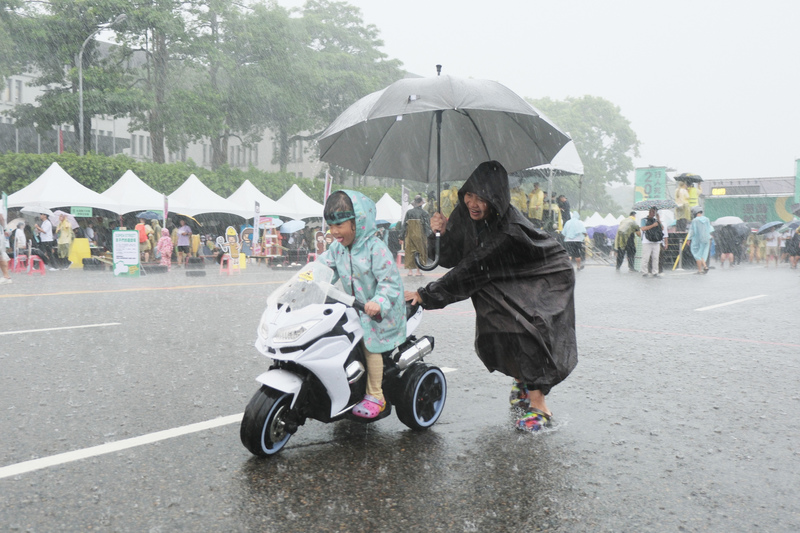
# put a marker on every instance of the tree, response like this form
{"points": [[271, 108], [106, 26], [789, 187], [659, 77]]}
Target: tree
{"points": [[346, 65], [50, 42], [605, 142]]}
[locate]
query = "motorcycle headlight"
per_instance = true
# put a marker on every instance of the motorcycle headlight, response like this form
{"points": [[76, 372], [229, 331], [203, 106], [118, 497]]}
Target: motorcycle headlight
{"points": [[292, 333]]}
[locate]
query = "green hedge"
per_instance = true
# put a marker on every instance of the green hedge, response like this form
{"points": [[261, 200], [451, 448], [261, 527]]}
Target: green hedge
{"points": [[99, 172]]}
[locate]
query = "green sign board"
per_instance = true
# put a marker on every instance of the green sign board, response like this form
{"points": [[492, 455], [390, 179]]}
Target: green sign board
{"points": [[797, 181], [650, 184], [757, 209], [125, 252], [81, 211]]}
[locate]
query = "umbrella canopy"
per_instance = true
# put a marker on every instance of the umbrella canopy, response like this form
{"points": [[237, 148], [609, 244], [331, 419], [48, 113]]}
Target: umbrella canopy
{"points": [[644, 205], [55, 218], [790, 226], [766, 228], [292, 225], [796, 209], [440, 128], [148, 215], [688, 178], [728, 221], [36, 210]]}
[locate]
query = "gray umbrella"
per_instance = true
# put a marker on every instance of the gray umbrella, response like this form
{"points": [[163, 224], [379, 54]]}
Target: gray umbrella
{"points": [[394, 133], [440, 128]]}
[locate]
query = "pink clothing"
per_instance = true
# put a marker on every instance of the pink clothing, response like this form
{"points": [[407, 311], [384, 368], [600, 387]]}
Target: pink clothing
{"points": [[164, 247]]}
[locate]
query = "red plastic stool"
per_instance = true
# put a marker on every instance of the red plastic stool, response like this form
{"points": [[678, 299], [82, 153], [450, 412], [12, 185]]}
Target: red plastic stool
{"points": [[20, 263], [37, 265], [400, 258], [226, 264], [311, 257]]}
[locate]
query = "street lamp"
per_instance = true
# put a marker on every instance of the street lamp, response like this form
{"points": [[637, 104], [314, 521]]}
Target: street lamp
{"points": [[120, 18]]}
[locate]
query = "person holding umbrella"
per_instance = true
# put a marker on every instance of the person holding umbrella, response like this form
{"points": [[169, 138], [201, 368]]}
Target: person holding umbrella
{"points": [[521, 284], [699, 238]]}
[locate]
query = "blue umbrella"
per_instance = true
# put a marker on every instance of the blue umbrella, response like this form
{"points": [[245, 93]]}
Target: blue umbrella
{"points": [[768, 226], [149, 215], [292, 226]]}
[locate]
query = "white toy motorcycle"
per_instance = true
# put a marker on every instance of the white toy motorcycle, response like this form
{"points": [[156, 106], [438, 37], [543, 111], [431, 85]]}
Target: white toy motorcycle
{"points": [[312, 333]]}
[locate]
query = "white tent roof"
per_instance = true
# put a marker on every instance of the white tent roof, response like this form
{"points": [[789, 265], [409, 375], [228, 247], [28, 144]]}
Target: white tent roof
{"points": [[610, 220], [296, 204], [594, 220], [566, 161], [132, 194], [194, 198], [387, 209], [56, 188], [248, 194]]}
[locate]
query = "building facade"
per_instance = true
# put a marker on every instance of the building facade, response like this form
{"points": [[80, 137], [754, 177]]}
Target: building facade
{"points": [[112, 136]]}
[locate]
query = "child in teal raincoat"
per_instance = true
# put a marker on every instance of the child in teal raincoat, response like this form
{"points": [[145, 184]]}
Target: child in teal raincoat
{"points": [[368, 271]]}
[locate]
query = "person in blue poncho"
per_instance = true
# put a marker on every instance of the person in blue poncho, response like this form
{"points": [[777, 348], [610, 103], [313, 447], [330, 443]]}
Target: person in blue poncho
{"points": [[700, 238], [368, 271]]}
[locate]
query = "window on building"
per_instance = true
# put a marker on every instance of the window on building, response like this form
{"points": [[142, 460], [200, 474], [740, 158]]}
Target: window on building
{"points": [[133, 144], [18, 92], [7, 91], [148, 146], [141, 145]]}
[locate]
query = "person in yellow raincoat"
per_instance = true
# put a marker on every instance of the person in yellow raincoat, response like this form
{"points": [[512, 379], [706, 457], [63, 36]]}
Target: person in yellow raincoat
{"points": [[535, 205], [449, 199]]}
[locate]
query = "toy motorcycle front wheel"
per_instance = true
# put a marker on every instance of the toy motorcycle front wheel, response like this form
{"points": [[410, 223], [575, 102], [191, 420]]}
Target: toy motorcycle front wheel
{"points": [[421, 396], [263, 430]]}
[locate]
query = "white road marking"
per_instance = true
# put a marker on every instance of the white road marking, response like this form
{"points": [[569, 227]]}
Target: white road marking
{"points": [[730, 303], [61, 328], [110, 447]]}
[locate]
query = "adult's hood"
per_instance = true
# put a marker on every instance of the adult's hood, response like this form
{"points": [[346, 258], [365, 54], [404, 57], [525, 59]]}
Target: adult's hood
{"points": [[365, 212], [490, 182]]}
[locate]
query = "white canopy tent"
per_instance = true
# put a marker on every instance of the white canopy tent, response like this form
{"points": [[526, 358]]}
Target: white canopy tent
{"points": [[194, 198], [132, 194], [248, 194], [296, 204], [595, 220], [387, 209], [56, 188]]}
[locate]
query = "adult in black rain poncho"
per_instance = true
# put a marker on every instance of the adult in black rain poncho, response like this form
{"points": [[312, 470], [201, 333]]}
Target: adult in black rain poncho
{"points": [[521, 285]]}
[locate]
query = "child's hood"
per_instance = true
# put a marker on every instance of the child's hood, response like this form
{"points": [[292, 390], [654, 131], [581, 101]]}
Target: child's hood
{"points": [[365, 212]]}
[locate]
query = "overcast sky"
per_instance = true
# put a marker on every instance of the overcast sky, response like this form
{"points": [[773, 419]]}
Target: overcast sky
{"points": [[709, 87]]}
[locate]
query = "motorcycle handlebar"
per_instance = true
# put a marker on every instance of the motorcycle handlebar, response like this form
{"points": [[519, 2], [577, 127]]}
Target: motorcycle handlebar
{"points": [[358, 306]]}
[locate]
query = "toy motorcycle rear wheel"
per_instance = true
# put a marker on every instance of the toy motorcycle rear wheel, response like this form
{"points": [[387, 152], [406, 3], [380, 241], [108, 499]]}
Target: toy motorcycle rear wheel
{"points": [[263, 430], [421, 396]]}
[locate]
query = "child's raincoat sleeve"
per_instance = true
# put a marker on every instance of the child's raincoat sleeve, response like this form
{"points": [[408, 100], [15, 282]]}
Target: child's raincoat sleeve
{"points": [[389, 287], [328, 259]]}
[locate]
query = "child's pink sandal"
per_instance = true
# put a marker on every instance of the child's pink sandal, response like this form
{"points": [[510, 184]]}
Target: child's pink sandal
{"points": [[369, 407]]}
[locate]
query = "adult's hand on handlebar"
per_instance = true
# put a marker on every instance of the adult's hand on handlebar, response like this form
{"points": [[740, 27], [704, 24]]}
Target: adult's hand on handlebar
{"points": [[438, 222], [413, 297]]}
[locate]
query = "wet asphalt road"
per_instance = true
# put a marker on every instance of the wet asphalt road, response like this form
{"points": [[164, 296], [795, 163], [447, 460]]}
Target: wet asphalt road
{"points": [[674, 420]]}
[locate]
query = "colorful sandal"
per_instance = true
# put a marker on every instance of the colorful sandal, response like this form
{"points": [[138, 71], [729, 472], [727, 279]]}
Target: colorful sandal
{"points": [[519, 395], [369, 407], [534, 420]]}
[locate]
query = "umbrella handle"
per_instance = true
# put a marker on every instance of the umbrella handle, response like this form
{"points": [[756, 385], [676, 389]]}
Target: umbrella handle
{"points": [[428, 268]]}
